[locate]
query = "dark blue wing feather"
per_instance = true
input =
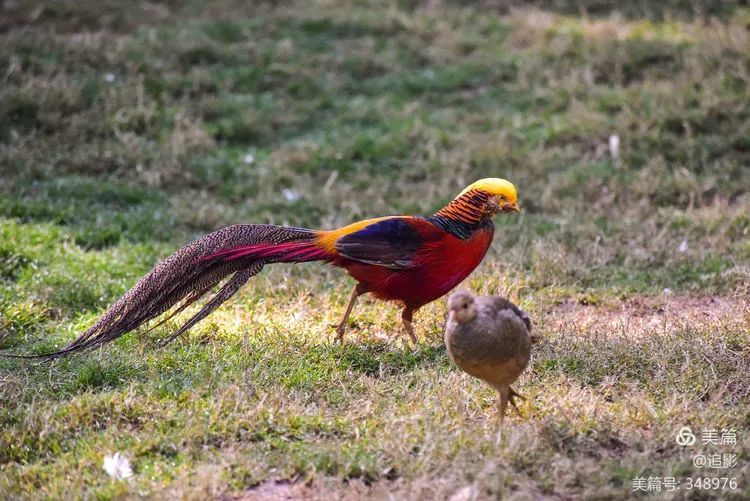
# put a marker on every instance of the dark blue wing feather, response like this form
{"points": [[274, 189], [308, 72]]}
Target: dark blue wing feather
{"points": [[391, 243]]}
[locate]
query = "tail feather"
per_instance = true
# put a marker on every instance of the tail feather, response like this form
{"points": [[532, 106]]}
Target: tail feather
{"points": [[228, 290], [191, 272], [189, 299], [294, 252]]}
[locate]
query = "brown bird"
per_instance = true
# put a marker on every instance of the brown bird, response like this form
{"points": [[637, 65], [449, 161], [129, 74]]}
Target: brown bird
{"points": [[489, 337]]}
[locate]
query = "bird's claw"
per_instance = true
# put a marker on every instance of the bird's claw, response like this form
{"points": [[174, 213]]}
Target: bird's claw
{"points": [[511, 400], [412, 336], [409, 344], [339, 328]]}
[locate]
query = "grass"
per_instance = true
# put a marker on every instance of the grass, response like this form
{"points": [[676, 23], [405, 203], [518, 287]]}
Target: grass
{"points": [[127, 129]]}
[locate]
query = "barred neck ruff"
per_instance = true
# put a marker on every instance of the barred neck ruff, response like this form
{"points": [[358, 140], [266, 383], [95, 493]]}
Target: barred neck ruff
{"points": [[464, 215]]}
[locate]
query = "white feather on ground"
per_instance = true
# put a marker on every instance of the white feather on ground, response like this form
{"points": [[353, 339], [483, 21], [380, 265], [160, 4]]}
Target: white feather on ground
{"points": [[118, 466]]}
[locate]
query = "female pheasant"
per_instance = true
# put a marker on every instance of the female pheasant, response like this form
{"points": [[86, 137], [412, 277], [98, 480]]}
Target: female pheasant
{"points": [[411, 260], [489, 338]]}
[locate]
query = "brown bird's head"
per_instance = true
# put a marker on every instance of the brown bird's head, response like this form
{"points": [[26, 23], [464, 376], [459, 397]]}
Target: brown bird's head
{"points": [[461, 307]]}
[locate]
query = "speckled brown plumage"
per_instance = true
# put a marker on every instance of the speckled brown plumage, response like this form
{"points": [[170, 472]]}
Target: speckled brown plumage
{"points": [[489, 337]]}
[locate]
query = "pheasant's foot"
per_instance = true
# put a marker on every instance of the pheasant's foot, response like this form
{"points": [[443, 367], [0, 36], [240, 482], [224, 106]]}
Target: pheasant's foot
{"points": [[511, 399], [502, 404], [340, 329], [410, 330]]}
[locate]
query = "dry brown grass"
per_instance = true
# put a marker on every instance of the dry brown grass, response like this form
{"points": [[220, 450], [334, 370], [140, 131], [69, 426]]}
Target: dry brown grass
{"points": [[124, 133]]}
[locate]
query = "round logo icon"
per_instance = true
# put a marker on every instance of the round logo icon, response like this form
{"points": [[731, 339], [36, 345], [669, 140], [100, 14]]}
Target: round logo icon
{"points": [[685, 437]]}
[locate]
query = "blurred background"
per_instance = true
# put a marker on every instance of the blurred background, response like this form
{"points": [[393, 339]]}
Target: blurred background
{"points": [[625, 126]]}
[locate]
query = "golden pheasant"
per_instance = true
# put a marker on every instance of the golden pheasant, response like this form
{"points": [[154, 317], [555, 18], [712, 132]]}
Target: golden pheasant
{"points": [[411, 260]]}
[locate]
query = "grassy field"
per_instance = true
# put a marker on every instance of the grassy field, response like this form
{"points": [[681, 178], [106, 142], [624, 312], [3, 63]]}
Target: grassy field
{"points": [[129, 128]]}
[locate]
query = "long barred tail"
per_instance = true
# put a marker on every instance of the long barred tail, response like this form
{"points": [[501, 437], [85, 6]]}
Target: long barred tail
{"points": [[187, 275]]}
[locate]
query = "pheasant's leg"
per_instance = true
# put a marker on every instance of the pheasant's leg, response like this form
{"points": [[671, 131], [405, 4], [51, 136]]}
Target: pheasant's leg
{"points": [[511, 398], [406, 316], [342, 326], [503, 391]]}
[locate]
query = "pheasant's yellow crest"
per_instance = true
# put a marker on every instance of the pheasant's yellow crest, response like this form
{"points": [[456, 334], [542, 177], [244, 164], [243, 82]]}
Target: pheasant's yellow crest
{"points": [[494, 186]]}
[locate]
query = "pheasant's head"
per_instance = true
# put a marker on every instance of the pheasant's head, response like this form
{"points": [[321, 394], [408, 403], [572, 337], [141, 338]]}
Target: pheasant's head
{"points": [[499, 195], [482, 199], [461, 307]]}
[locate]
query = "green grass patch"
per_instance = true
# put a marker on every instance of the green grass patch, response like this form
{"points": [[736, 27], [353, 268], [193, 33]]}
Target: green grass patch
{"points": [[128, 130]]}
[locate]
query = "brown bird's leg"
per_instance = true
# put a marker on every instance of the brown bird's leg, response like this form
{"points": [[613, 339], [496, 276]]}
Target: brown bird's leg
{"points": [[511, 398], [358, 291], [406, 316], [503, 391]]}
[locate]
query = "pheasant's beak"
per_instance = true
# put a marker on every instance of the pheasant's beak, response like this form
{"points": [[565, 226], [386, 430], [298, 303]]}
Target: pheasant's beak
{"points": [[510, 207]]}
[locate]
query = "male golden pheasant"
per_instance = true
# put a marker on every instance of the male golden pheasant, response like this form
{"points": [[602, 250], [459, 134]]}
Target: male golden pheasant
{"points": [[412, 260]]}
